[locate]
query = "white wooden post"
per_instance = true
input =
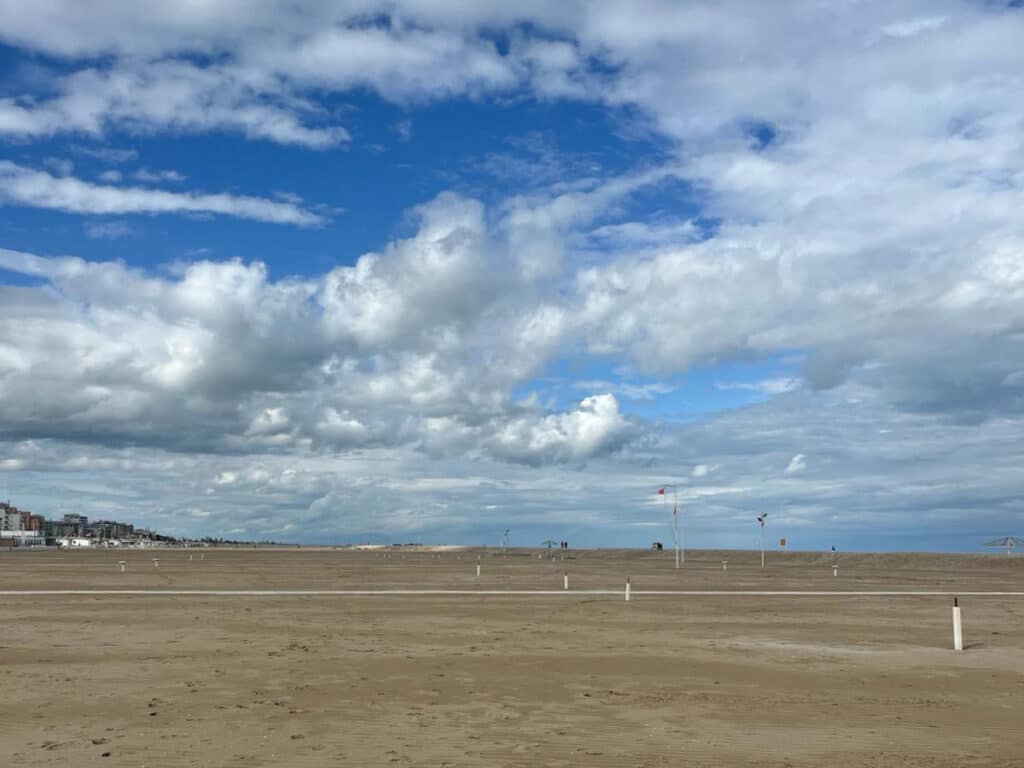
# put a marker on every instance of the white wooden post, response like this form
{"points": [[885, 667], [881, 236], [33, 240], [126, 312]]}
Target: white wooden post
{"points": [[958, 627], [627, 589], [835, 570], [565, 580]]}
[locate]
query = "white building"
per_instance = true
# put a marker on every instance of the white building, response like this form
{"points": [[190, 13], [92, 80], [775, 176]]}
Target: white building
{"points": [[74, 543], [10, 520]]}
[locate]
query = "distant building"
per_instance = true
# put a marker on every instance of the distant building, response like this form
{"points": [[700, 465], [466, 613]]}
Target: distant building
{"points": [[21, 539], [110, 529], [10, 518], [70, 526], [73, 530]]}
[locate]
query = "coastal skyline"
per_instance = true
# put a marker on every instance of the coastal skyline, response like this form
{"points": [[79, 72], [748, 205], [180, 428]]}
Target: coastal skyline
{"points": [[430, 270]]}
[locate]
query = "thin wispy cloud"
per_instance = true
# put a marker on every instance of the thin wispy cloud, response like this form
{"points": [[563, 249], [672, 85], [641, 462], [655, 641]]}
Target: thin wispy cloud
{"points": [[38, 189]]}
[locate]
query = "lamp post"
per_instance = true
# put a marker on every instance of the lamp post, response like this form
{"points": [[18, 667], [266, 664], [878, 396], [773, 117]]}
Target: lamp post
{"points": [[761, 518]]}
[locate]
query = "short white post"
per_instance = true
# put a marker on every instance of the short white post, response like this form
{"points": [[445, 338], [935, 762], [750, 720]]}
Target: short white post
{"points": [[156, 562], [725, 565], [958, 627], [478, 569], [202, 556], [565, 580], [190, 558], [627, 589], [122, 564], [835, 570]]}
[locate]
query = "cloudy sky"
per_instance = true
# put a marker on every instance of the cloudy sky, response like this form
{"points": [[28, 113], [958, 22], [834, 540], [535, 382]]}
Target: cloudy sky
{"points": [[427, 269]]}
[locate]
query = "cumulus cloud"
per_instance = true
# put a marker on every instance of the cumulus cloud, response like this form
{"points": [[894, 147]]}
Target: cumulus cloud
{"points": [[595, 427], [24, 186], [418, 344], [438, 280]]}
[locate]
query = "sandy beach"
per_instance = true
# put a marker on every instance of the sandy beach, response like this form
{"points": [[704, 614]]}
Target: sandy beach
{"points": [[560, 679]]}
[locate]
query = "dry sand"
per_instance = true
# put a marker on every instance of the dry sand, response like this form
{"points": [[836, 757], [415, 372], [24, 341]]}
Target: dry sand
{"points": [[466, 680]]}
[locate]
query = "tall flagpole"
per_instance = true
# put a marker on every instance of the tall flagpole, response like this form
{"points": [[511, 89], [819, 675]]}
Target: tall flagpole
{"points": [[680, 548], [675, 516], [675, 519]]}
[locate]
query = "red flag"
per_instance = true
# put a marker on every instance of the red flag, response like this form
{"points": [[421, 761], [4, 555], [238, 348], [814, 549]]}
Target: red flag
{"points": [[661, 491]]}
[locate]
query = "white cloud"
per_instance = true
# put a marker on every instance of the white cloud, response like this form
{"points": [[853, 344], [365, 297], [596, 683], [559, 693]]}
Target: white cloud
{"points": [[629, 390], [270, 421], [111, 155], [60, 165], [23, 186], [796, 464], [342, 428], [442, 277], [914, 26], [109, 230], [149, 176], [775, 386], [165, 95], [595, 427], [404, 129]]}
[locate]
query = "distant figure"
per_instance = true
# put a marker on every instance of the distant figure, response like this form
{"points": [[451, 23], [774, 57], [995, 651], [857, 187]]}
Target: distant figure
{"points": [[833, 549]]}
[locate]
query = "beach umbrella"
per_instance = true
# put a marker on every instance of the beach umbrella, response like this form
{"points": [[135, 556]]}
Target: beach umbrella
{"points": [[1006, 542]]}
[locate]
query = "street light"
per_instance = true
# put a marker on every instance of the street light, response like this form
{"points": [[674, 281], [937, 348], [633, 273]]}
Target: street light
{"points": [[680, 557], [761, 518]]}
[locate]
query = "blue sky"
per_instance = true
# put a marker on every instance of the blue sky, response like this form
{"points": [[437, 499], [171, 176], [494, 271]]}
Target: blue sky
{"points": [[343, 271]]}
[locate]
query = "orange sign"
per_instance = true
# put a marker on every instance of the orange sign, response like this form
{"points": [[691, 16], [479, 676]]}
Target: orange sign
{"points": [[782, 542]]}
